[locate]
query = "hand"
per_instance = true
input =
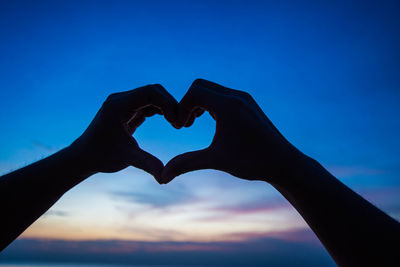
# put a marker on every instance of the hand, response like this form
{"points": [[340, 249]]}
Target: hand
{"points": [[246, 144], [108, 146]]}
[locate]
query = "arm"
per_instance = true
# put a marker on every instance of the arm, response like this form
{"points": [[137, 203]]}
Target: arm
{"points": [[247, 145], [354, 231], [106, 146]]}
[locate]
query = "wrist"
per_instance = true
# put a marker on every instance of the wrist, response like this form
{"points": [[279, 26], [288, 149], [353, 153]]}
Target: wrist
{"points": [[297, 168], [78, 163], [305, 175]]}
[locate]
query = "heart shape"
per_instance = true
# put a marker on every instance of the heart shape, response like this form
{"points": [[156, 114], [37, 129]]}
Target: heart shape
{"points": [[157, 136], [245, 144]]}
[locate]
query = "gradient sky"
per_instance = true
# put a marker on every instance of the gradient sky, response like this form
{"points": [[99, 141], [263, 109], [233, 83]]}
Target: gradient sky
{"points": [[326, 73]]}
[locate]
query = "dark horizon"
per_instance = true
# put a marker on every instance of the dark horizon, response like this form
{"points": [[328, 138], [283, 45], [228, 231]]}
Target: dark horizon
{"points": [[258, 251]]}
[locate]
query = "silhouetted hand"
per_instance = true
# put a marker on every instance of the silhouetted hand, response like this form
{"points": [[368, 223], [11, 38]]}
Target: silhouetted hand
{"points": [[246, 144], [108, 146]]}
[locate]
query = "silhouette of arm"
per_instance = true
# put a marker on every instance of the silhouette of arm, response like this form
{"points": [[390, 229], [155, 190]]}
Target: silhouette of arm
{"points": [[247, 145], [107, 145]]}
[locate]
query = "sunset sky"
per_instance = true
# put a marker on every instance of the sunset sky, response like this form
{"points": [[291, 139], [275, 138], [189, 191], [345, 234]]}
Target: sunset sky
{"points": [[326, 74]]}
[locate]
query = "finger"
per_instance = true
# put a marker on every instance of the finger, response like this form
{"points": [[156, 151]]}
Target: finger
{"points": [[190, 161], [227, 91], [240, 94], [151, 111], [199, 96], [213, 85], [147, 162], [157, 96], [190, 120], [197, 112], [235, 93], [143, 97], [140, 116], [135, 121]]}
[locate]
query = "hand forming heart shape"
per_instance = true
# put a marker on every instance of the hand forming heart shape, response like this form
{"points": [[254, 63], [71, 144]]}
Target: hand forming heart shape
{"points": [[246, 144]]}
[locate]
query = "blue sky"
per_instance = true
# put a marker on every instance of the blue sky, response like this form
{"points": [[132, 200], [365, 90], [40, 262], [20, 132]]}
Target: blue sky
{"points": [[326, 74]]}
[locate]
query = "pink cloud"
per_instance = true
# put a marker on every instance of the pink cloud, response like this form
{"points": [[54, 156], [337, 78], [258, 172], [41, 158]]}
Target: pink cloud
{"points": [[227, 212]]}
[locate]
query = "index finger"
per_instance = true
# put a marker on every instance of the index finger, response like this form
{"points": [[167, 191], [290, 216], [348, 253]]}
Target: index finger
{"points": [[201, 95], [150, 95]]}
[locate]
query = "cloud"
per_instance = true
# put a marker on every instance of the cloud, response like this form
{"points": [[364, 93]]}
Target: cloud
{"points": [[154, 233], [56, 213], [253, 207], [228, 212], [296, 235], [257, 251], [157, 198]]}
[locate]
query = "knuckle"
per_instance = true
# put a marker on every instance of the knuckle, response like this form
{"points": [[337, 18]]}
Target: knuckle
{"points": [[111, 97], [198, 85], [193, 90], [154, 95], [146, 91], [158, 89], [247, 96], [157, 86], [109, 102], [237, 101], [152, 92], [108, 106], [152, 88], [145, 88], [198, 81], [140, 91]]}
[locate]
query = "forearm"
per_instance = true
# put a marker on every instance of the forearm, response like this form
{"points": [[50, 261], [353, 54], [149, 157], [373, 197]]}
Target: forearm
{"points": [[29, 192], [354, 231]]}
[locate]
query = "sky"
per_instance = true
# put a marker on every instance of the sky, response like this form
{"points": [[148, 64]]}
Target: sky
{"points": [[325, 72]]}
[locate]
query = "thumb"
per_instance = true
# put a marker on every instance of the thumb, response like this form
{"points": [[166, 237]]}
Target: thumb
{"points": [[147, 162], [186, 162]]}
